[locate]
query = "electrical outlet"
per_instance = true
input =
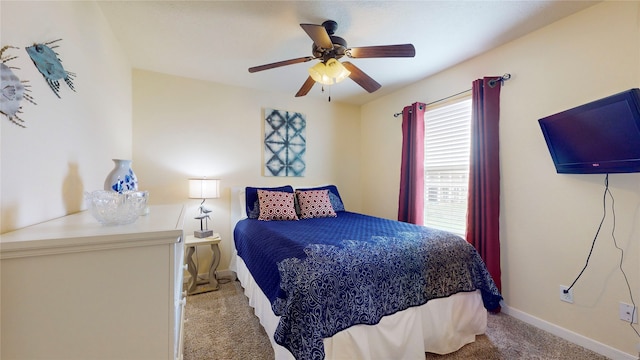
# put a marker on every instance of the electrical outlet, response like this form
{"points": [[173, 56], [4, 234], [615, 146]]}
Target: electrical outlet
{"points": [[626, 312], [566, 296]]}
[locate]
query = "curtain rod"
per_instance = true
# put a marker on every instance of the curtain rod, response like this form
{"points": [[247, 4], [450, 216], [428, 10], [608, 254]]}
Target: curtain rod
{"points": [[492, 83]]}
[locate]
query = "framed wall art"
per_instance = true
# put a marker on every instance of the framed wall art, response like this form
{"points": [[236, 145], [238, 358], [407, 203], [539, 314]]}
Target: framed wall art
{"points": [[285, 143]]}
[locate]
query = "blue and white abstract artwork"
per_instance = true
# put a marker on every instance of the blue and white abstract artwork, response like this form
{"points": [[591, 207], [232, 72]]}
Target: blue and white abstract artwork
{"points": [[285, 143]]}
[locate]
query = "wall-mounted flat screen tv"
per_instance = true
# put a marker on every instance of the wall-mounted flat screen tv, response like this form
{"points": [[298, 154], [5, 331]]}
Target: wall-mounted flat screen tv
{"points": [[600, 137]]}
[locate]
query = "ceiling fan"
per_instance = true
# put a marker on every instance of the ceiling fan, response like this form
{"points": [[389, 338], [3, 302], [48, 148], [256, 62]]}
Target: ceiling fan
{"points": [[328, 48]]}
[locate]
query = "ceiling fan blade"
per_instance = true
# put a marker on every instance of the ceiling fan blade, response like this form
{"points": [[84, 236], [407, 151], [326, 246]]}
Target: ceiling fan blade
{"points": [[305, 87], [280, 63], [319, 35], [361, 78], [402, 50]]}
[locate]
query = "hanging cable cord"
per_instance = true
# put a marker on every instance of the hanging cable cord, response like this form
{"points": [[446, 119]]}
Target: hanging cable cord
{"points": [[615, 243]]}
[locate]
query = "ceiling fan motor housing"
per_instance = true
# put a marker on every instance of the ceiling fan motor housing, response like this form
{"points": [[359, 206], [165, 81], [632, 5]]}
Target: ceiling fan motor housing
{"points": [[339, 49]]}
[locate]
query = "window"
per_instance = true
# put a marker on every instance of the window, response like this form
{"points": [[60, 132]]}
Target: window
{"points": [[446, 165]]}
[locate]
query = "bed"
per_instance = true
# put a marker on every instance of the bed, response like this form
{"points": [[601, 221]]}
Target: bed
{"points": [[329, 283]]}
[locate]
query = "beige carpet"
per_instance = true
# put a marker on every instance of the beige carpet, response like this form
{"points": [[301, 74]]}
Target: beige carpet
{"points": [[221, 326]]}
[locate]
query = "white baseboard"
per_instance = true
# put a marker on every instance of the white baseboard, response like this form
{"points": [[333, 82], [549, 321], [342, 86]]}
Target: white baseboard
{"points": [[226, 274], [220, 274], [568, 335]]}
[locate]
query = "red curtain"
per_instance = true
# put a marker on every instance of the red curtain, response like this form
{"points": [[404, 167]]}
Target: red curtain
{"points": [[411, 199], [483, 212]]}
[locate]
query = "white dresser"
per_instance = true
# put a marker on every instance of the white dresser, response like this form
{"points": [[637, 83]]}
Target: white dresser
{"points": [[72, 288]]}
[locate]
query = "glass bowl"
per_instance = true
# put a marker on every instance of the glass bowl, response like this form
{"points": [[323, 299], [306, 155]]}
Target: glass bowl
{"points": [[112, 208]]}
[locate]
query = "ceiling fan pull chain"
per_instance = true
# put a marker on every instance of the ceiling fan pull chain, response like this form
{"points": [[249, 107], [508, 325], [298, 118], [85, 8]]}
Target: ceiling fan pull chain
{"points": [[329, 91]]}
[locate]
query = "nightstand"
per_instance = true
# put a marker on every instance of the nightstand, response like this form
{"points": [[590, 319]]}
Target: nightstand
{"points": [[191, 242]]}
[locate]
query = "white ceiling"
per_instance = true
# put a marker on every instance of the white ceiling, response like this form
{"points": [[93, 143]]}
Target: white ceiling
{"points": [[219, 40]]}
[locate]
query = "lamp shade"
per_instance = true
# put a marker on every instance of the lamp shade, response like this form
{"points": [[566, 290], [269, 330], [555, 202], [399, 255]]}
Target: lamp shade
{"points": [[329, 73], [336, 70], [204, 188], [318, 73]]}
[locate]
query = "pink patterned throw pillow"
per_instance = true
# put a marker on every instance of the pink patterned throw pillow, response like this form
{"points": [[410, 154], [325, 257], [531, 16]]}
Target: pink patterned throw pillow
{"points": [[315, 204], [276, 205]]}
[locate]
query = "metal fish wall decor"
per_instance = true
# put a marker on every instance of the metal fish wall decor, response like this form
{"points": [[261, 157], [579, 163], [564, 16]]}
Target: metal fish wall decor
{"points": [[12, 90], [50, 66]]}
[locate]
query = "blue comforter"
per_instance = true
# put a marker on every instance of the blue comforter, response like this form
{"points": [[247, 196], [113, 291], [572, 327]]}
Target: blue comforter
{"points": [[324, 275]]}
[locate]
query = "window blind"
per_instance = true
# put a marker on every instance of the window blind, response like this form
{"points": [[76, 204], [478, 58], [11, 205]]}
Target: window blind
{"points": [[446, 164]]}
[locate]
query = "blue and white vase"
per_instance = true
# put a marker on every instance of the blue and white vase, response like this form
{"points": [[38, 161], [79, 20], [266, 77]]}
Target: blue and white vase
{"points": [[121, 178]]}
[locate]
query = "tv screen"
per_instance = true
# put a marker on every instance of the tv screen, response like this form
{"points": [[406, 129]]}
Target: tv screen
{"points": [[602, 136]]}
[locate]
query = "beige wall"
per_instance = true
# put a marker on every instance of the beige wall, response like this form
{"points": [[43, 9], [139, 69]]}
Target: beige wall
{"points": [[69, 142], [547, 220], [185, 128]]}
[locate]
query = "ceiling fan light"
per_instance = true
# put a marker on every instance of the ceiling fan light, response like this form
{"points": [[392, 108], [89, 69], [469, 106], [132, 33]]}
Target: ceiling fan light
{"points": [[336, 70], [329, 73], [318, 72], [332, 67]]}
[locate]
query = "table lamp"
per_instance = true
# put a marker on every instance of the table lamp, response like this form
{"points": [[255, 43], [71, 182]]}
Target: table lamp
{"points": [[203, 189]]}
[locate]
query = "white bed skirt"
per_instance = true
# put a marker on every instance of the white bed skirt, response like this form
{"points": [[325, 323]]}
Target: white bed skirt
{"points": [[440, 326]]}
